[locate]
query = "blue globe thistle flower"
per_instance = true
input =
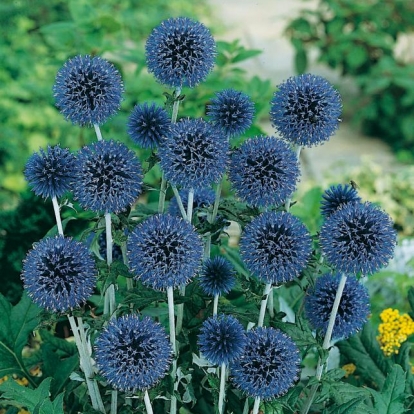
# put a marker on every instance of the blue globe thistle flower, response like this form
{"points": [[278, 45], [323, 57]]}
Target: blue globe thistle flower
{"points": [[203, 198], [116, 250], [88, 90], [133, 353], [108, 177], [50, 173], [194, 155], [232, 111], [148, 125], [305, 110], [180, 52], [275, 247], [353, 310], [59, 274], [164, 251], [222, 339], [336, 196], [264, 171], [269, 365], [217, 276], [358, 238]]}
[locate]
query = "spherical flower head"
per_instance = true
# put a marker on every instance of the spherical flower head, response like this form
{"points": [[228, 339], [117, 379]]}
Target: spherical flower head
{"points": [[164, 251], [358, 238], [232, 111], [59, 274], [133, 353], [180, 52], [336, 196], [148, 124], [353, 311], [264, 171], [88, 90], [275, 247], [305, 110], [203, 198], [50, 173], [222, 339], [194, 155], [217, 276], [108, 177], [269, 365]]}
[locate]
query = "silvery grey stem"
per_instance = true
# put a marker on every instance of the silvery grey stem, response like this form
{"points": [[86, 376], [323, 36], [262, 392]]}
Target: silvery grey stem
{"points": [[326, 344], [222, 388], [179, 202], [256, 405], [56, 209], [297, 150], [109, 301], [215, 305], [147, 402], [98, 132], [267, 289], [190, 204], [170, 296]]}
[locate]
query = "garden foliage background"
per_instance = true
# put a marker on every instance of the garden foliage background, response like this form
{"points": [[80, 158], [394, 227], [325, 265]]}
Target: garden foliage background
{"points": [[38, 36]]}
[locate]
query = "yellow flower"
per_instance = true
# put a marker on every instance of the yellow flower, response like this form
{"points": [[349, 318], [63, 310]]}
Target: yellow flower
{"points": [[349, 369], [394, 330]]}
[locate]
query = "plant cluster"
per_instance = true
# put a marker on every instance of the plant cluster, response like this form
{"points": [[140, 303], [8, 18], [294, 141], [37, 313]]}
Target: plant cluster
{"points": [[177, 318]]}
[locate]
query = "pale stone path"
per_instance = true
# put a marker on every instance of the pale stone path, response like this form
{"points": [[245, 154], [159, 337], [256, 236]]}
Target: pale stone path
{"points": [[260, 25]]}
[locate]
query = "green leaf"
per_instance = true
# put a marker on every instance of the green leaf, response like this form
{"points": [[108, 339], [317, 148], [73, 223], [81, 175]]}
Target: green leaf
{"points": [[301, 61], [390, 399], [349, 407], [363, 350], [36, 401], [245, 54], [16, 325]]}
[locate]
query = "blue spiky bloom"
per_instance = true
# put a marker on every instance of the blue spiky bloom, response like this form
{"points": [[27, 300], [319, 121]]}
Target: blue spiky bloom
{"points": [[305, 110], [164, 251], [180, 52], [353, 311], [203, 198], [275, 247], [88, 90], [59, 274], [358, 238], [116, 250], [264, 171], [217, 276], [222, 339], [232, 111], [133, 353], [148, 125], [194, 155], [50, 173], [108, 177], [269, 365], [336, 196]]}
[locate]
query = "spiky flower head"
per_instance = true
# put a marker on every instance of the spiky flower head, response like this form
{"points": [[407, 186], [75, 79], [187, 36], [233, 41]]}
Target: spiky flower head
{"points": [[116, 249], [232, 111], [203, 198], [59, 274], [133, 353], [217, 276], [353, 308], [108, 177], [148, 125], [180, 52], [222, 339], [305, 110], [336, 196], [194, 155], [275, 247], [264, 171], [269, 365], [164, 251], [358, 238], [88, 90], [50, 173]]}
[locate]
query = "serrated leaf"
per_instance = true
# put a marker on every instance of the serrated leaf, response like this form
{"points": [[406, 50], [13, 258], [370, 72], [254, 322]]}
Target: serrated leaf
{"points": [[16, 325], [36, 400], [363, 350], [390, 399]]}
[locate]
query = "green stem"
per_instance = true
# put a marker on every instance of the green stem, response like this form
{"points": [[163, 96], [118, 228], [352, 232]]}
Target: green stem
{"points": [[326, 343], [56, 209], [216, 201], [163, 191]]}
